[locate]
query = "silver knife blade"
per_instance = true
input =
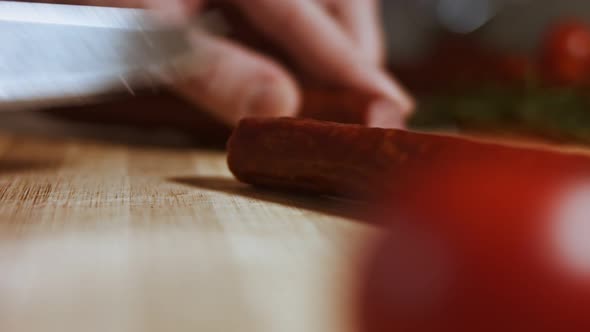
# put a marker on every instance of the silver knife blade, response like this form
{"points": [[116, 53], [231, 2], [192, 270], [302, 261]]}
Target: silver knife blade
{"points": [[63, 54]]}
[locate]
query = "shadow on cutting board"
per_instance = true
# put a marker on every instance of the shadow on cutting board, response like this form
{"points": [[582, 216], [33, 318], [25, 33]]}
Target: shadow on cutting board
{"points": [[321, 204], [11, 166], [148, 120]]}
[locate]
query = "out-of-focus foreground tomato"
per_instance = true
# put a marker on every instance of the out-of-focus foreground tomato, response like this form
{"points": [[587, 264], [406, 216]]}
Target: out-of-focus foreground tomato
{"points": [[483, 239], [566, 53]]}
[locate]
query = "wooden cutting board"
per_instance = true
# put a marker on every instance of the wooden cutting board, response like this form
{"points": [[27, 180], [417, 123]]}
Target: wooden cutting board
{"points": [[111, 230], [107, 229]]}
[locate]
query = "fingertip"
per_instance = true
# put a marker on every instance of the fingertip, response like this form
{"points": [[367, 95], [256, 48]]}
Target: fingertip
{"points": [[389, 87], [271, 97], [385, 113]]}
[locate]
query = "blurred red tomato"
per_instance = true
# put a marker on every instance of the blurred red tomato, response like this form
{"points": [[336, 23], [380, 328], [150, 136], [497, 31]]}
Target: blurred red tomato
{"points": [[459, 63], [483, 239], [514, 68], [566, 53]]}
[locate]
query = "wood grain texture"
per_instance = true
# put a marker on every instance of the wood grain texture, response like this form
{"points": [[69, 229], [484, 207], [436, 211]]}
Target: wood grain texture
{"points": [[102, 229]]}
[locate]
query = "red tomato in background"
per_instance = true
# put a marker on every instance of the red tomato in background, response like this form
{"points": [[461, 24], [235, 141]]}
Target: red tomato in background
{"points": [[459, 63], [515, 68], [566, 53], [483, 239]]}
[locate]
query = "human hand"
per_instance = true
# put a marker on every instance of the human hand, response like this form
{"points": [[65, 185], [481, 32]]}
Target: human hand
{"points": [[337, 43]]}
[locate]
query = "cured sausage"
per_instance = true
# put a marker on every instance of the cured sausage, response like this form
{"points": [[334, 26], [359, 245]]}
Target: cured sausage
{"points": [[353, 160]]}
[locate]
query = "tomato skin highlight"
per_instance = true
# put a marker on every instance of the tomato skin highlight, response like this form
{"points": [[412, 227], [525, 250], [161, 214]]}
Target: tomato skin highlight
{"points": [[566, 53], [472, 248]]}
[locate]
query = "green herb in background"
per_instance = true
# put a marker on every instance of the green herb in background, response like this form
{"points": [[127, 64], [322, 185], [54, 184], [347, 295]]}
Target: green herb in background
{"points": [[561, 114]]}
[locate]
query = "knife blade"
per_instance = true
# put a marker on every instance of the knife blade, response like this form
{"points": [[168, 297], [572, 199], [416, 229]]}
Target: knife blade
{"points": [[53, 55]]}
